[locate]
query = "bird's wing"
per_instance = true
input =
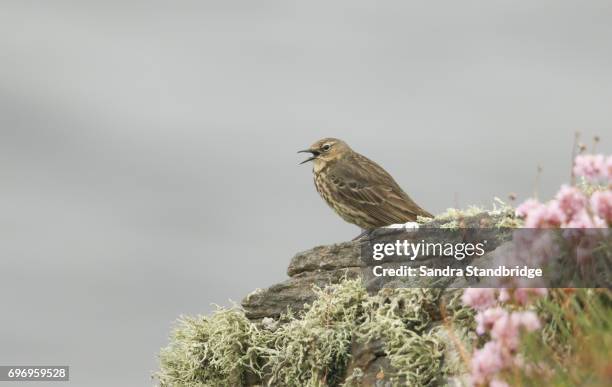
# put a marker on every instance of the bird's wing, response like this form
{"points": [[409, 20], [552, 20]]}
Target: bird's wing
{"points": [[374, 191]]}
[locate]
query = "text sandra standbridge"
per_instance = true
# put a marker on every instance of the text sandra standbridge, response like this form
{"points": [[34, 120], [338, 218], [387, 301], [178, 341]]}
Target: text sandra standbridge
{"points": [[468, 271]]}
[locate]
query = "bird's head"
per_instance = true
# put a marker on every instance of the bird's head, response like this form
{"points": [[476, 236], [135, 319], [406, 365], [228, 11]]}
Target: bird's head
{"points": [[326, 150]]}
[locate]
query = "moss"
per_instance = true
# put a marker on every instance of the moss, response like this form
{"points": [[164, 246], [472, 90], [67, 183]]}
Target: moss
{"points": [[312, 348], [355, 379], [402, 318], [453, 218], [452, 214], [208, 351], [509, 222], [423, 219]]}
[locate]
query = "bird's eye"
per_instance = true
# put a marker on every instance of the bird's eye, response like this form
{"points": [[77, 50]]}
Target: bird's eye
{"points": [[326, 147]]}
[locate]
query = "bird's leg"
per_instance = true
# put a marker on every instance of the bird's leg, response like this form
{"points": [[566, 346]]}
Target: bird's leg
{"points": [[364, 233]]}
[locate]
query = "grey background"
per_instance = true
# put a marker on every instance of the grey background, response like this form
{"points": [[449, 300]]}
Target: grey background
{"points": [[147, 149]]}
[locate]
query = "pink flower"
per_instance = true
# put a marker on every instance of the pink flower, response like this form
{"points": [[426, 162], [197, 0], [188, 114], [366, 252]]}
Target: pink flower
{"points": [[543, 247], [609, 168], [601, 203], [479, 298], [599, 222], [528, 320], [498, 383], [545, 216], [571, 200], [524, 295], [486, 319], [504, 295], [527, 207], [506, 328], [581, 220], [487, 361], [591, 167], [506, 332]]}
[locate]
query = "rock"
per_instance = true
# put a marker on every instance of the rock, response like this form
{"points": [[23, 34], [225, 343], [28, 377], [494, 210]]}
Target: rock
{"points": [[325, 265], [292, 293], [369, 366], [337, 256]]}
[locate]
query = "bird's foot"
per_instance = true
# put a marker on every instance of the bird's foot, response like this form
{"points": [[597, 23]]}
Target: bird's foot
{"points": [[404, 226], [367, 234]]}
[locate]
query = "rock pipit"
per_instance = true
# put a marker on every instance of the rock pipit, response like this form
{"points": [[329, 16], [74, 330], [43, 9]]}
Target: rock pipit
{"points": [[357, 188]]}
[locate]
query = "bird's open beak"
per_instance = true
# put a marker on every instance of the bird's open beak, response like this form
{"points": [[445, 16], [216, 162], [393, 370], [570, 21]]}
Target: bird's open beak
{"points": [[314, 155]]}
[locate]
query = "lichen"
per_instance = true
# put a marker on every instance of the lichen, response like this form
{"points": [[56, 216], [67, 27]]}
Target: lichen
{"points": [[423, 219], [401, 318], [453, 218], [208, 351], [311, 348], [314, 349], [509, 222], [455, 213], [355, 378]]}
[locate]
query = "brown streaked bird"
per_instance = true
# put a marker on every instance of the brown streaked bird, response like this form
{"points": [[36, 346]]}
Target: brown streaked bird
{"points": [[357, 188]]}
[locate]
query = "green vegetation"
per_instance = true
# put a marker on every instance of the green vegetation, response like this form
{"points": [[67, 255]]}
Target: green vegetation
{"points": [[575, 344]]}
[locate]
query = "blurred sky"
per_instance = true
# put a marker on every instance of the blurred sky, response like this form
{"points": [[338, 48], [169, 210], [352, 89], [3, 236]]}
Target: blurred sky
{"points": [[147, 149]]}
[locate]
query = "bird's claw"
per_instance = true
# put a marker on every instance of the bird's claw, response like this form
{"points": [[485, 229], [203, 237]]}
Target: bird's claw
{"points": [[404, 226]]}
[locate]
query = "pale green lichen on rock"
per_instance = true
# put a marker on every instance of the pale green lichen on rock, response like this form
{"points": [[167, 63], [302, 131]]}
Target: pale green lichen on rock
{"points": [[355, 378], [408, 323], [312, 348], [208, 351], [455, 213], [423, 219], [502, 212], [452, 217], [403, 318]]}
